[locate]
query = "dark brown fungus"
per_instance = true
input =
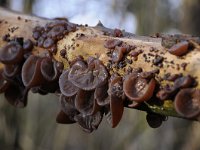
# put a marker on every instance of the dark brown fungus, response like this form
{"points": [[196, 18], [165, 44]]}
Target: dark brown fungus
{"points": [[31, 73], [116, 100], [118, 33], [117, 54], [4, 84], [85, 102], [101, 95], [154, 120], [11, 53], [138, 89], [28, 45], [89, 123], [56, 31], [48, 70], [112, 43], [36, 35], [179, 49], [62, 118], [187, 102], [66, 87], [11, 71], [40, 41], [68, 107], [48, 43], [88, 78], [16, 95], [183, 82]]}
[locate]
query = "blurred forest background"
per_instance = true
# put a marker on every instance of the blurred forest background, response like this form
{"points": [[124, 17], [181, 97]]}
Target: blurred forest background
{"points": [[35, 128]]}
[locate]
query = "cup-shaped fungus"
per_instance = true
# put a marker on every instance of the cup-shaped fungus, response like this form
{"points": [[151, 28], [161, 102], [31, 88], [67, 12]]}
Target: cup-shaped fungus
{"points": [[48, 69], [112, 43], [183, 82], [28, 45], [11, 53], [101, 95], [11, 71], [154, 120], [138, 89], [63, 118], [66, 87], [85, 102], [118, 54], [179, 49], [16, 95], [89, 123], [187, 102], [4, 84], [67, 106], [116, 101], [88, 78], [31, 73]]}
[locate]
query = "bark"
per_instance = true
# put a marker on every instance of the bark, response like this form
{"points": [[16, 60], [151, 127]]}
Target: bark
{"points": [[154, 54]]}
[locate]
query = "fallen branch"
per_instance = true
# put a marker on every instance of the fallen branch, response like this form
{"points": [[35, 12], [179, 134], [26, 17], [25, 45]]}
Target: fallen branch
{"points": [[97, 71]]}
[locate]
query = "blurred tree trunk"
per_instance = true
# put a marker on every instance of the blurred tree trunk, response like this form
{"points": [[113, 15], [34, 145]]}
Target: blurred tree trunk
{"points": [[191, 19]]}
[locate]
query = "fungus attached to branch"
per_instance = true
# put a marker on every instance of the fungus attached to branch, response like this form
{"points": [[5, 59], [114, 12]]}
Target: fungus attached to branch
{"points": [[138, 89], [66, 87], [11, 53], [187, 102], [88, 77], [31, 73]]}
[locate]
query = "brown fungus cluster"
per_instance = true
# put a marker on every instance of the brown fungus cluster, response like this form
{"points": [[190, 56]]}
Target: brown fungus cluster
{"points": [[87, 91]]}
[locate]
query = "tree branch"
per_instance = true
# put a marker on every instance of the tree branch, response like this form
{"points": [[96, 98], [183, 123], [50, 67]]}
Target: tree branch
{"points": [[159, 73]]}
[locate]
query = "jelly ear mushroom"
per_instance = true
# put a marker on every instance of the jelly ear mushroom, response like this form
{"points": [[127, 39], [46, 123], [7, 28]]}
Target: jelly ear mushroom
{"points": [[187, 102], [11, 53], [16, 95], [88, 78], [62, 118], [11, 71], [101, 95], [4, 84], [68, 107], [85, 102], [48, 69], [89, 122], [116, 101], [66, 87], [180, 49], [138, 89], [154, 120], [31, 73]]}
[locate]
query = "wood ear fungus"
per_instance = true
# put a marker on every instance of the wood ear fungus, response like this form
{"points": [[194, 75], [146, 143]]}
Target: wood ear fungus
{"points": [[154, 120], [110, 44], [62, 118], [11, 53], [138, 89], [187, 102], [66, 87], [179, 49], [16, 95], [48, 69], [11, 71], [89, 123], [88, 78], [85, 102], [116, 101], [31, 74], [68, 107], [4, 84], [101, 95]]}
